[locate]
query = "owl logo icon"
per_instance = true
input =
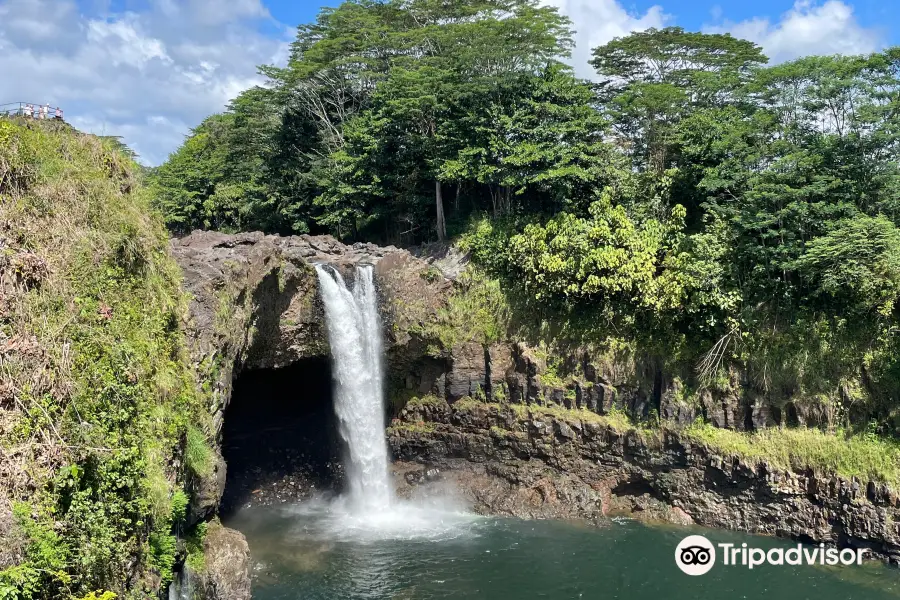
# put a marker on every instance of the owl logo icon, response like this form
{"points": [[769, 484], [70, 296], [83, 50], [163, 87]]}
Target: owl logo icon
{"points": [[695, 555]]}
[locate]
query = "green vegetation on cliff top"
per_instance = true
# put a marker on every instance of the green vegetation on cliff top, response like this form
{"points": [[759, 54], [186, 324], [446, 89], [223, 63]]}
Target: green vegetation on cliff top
{"points": [[99, 409], [698, 207], [867, 457]]}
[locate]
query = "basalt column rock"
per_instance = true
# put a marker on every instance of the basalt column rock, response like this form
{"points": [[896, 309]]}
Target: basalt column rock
{"points": [[478, 371], [540, 462], [467, 376], [522, 375]]}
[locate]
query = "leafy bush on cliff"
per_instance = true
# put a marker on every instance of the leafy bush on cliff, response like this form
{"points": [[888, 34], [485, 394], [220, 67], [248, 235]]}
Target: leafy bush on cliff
{"points": [[96, 395], [676, 299]]}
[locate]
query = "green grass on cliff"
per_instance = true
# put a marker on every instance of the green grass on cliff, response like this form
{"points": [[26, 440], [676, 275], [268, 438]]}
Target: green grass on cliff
{"points": [[476, 311], [97, 399], [615, 419], [864, 456], [867, 457]]}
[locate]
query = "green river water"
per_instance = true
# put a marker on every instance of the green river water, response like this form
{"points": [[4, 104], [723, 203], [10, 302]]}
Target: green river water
{"points": [[314, 552]]}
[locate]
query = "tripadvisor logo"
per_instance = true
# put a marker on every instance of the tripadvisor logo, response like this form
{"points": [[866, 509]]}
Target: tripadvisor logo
{"points": [[696, 555]]}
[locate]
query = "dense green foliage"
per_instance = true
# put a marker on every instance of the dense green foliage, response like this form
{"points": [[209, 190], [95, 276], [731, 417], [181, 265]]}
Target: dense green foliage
{"points": [[697, 203], [97, 399], [393, 121]]}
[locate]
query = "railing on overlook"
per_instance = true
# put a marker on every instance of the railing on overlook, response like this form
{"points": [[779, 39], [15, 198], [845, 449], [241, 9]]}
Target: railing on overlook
{"points": [[21, 109]]}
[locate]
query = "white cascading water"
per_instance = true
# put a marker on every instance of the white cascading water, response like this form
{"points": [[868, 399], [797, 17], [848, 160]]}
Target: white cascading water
{"points": [[369, 511], [354, 333], [182, 587]]}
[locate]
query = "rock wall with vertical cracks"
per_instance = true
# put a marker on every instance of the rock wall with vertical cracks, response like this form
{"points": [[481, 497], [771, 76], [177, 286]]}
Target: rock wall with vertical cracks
{"points": [[543, 462]]}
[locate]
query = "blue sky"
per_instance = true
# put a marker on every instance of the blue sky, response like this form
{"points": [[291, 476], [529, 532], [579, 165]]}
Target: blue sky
{"points": [[689, 14], [150, 70]]}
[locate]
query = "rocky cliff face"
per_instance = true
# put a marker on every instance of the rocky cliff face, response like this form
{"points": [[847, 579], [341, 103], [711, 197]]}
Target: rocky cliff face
{"points": [[543, 448], [253, 301], [254, 304], [602, 382], [554, 463]]}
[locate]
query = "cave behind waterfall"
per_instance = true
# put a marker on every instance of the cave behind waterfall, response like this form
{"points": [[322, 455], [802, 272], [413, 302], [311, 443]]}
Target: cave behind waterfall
{"points": [[280, 437]]}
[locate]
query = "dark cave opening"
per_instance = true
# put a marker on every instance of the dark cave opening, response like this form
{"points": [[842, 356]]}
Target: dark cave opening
{"points": [[280, 438], [635, 486]]}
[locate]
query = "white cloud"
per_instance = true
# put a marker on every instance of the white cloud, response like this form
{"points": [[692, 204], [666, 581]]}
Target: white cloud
{"points": [[150, 76], [808, 28], [599, 21], [147, 76], [126, 45]]}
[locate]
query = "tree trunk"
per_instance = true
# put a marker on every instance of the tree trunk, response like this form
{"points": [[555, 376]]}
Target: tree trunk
{"points": [[439, 200]]}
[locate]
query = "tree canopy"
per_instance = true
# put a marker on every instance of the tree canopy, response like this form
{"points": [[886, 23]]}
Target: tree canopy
{"points": [[693, 198]]}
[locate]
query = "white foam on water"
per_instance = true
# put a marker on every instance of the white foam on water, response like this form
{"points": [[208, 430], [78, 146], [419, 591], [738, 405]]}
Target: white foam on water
{"points": [[339, 521]]}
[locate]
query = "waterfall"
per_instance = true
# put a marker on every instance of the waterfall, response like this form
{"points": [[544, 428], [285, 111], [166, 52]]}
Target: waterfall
{"points": [[354, 333], [182, 586]]}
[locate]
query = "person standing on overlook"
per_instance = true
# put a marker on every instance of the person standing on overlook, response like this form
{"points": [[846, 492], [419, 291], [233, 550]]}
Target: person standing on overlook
{"points": [[29, 111], [59, 114]]}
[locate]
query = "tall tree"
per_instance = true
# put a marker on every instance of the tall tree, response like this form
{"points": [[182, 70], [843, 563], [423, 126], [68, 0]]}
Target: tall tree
{"points": [[654, 78], [412, 70], [537, 139], [185, 185]]}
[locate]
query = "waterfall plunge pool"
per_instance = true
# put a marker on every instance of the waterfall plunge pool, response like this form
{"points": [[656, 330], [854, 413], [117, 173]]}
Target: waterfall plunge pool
{"points": [[310, 552], [366, 544]]}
